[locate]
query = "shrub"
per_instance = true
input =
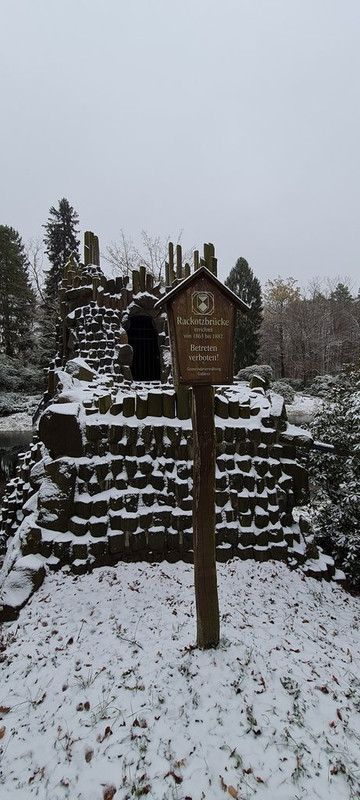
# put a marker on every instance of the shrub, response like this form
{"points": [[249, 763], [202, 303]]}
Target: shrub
{"points": [[15, 377], [284, 388], [336, 475], [10, 403], [263, 370], [321, 385]]}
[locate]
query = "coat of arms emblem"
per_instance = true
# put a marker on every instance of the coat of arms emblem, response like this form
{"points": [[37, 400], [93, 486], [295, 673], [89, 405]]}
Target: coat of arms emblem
{"points": [[202, 303]]}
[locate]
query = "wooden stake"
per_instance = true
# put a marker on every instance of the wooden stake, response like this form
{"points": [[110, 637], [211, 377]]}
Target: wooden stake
{"points": [[207, 604]]}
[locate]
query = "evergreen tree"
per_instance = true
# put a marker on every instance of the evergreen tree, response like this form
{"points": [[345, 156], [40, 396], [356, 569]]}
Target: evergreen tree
{"points": [[61, 246], [335, 475], [243, 283], [344, 340], [61, 243], [17, 300]]}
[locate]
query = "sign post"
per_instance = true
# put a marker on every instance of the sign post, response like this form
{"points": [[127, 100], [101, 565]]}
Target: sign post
{"points": [[201, 314]]}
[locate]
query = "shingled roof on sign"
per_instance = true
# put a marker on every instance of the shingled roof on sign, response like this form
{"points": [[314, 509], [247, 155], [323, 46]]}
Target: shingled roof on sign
{"points": [[202, 272]]}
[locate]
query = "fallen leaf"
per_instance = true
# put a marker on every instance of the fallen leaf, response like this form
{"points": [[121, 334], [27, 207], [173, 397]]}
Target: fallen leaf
{"points": [[100, 737], [2, 731], [4, 709], [109, 792], [177, 778], [232, 791]]}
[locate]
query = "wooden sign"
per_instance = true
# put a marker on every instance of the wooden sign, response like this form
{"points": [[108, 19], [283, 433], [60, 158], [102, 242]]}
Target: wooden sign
{"points": [[201, 314]]}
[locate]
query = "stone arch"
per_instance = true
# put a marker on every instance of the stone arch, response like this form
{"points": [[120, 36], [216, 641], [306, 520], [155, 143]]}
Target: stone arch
{"points": [[143, 339]]}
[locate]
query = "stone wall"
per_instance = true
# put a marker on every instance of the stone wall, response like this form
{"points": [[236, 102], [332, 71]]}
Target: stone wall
{"points": [[110, 476]]}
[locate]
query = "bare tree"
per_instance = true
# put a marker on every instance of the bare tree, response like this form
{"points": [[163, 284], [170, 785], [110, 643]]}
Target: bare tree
{"points": [[126, 256], [281, 298], [35, 256]]}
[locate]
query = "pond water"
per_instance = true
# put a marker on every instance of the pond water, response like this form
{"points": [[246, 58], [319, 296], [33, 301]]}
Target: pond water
{"points": [[11, 444]]}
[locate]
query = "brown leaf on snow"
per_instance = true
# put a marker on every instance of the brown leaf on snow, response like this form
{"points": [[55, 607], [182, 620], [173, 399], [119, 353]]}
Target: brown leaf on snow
{"points": [[335, 679], [4, 709], [339, 714], [232, 791], [109, 792], [177, 778], [100, 737], [88, 755], [140, 723], [2, 731]]}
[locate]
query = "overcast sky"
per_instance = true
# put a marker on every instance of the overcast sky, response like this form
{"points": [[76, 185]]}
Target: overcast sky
{"points": [[234, 121]]}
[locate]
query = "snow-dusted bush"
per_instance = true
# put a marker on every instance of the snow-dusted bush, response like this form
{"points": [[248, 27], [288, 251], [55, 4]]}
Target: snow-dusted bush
{"points": [[11, 403], [263, 370], [284, 388], [321, 385], [336, 474], [296, 383], [15, 377], [7, 404]]}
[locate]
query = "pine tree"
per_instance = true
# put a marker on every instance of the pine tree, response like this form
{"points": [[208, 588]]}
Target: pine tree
{"points": [[17, 300], [61, 246], [61, 243], [243, 283], [344, 343]]}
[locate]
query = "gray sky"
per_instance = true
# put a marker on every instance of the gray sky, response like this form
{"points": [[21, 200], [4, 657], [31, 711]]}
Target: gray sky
{"points": [[234, 121]]}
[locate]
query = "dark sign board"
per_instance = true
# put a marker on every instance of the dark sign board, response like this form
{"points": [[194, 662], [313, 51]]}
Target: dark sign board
{"points": [[202, 313]]}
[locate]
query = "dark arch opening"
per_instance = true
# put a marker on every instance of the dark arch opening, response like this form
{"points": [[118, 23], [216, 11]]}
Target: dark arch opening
{"points": [[144, 341]]}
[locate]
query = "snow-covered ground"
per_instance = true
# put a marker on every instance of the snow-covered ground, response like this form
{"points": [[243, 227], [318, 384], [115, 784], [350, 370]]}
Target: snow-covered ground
{"points": [[16, 422], [22, 420], [103, 694], [303, 409]]}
